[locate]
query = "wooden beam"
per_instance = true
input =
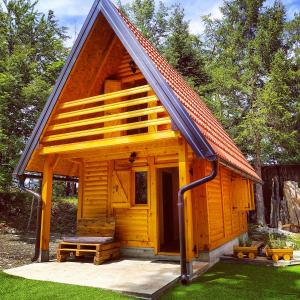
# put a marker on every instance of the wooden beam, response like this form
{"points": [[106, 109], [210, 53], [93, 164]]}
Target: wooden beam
{"points": [[119, 141], [153, 213], [106, 130], [104, 97], [106, 107], [46, 208], [120, 116], [154, 115], [131, 78], [165, 147], [112, 86], [80, 190], [114, 41], [184, 178]]}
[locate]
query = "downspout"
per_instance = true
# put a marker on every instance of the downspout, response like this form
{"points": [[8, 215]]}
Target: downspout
{"points": [[38, 216], [184, 273]]}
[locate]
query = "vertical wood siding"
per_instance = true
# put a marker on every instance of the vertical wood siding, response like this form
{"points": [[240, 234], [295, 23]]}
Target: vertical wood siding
{"points": [[217, 219]]}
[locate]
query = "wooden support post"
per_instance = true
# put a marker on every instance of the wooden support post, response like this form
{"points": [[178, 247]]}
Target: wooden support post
{"points": [[184, 178], [46, 209], [80, 191], [111, 86], [153, 230], [154, 115], [110, 210]]}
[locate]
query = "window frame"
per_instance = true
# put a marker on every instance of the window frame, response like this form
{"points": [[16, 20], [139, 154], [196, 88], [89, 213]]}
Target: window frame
{"points": [[133, 204]]}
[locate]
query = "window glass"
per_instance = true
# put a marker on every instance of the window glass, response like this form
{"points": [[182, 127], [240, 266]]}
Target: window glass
{"points": [[141, 187]]}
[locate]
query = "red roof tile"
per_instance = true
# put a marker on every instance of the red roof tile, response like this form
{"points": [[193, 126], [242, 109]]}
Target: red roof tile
{"points": [[210, 127]]}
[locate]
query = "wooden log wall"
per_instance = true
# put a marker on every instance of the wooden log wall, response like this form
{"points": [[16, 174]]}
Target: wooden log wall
{"points": [[216, 218], [94, 197], [136, 226]]}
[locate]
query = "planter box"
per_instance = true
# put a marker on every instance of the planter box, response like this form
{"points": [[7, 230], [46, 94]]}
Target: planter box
{"points": [[251, 252], [277, 254]]}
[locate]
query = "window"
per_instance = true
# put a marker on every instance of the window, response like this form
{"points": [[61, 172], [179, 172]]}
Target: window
{"points": [[141, 187]]}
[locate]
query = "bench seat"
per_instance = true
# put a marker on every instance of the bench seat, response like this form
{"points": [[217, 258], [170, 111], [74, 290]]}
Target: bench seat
{"points": [[94, 237]]}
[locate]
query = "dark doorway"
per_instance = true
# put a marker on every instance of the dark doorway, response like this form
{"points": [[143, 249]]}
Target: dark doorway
{"points": [[168, 185]]}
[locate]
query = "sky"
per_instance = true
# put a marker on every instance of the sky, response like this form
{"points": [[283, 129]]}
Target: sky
{"points": [[72, 13]]}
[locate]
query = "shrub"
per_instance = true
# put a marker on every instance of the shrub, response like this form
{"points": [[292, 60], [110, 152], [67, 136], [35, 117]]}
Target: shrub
{"points": [[15, 211]]}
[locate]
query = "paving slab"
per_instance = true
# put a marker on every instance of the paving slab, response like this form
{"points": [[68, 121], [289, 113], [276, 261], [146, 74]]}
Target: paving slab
{"points": [[143, 278]]}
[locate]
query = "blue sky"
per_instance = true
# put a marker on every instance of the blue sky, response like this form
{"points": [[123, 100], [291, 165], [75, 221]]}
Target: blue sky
{"points": [[71, 13]]}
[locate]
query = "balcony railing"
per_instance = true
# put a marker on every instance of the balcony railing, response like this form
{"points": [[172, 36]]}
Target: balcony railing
{"points": [[132, 115]]}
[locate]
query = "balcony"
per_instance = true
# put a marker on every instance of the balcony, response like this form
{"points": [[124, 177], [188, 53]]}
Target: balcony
{"points": [[128, 116]]}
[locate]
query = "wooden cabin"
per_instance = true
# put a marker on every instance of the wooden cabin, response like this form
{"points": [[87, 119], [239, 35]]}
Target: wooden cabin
{"points": [[133, 132]]}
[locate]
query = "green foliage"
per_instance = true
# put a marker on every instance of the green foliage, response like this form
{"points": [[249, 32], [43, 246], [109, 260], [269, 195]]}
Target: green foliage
{"points": [[253, 60], [291, 240], [183, 49], [168, 30], [15, 211], [31, 56], [277, 241], [246, 65], [151, 21], [245, 242]]}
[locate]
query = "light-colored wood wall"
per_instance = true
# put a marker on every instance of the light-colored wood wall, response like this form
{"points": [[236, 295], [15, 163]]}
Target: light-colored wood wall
{"points": [[136, 225], [95, 189], [217, 218]]}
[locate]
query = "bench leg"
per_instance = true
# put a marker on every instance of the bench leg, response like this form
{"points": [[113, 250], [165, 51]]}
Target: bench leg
{"points": [[61, 257], [98, 261]]}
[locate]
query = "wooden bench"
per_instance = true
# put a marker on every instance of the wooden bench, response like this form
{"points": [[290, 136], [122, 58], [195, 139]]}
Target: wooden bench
{"points": [[94, 237]]}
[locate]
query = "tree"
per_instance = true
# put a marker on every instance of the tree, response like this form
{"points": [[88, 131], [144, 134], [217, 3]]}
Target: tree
{"points": [[253, 62], [167, 29], [31, 56], [152, 21], [183, 50]]}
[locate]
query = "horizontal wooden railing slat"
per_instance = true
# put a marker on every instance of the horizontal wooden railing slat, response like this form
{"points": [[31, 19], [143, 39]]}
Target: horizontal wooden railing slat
{"points": [[104, 97], [106, 107], [115, 117], [115, 128]]}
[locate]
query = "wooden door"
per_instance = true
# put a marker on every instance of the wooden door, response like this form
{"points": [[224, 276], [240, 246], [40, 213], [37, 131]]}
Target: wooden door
{"points": [[120, 197]]}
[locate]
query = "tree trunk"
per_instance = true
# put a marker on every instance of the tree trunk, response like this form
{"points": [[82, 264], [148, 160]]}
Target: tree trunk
{"points": [[275, 203], [260, 206]]}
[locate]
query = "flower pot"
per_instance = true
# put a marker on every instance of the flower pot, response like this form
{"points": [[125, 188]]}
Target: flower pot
{"points": [[250, 252], [277, 254]]}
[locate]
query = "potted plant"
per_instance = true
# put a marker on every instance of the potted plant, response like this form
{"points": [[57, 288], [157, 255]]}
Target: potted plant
{"points": [[277, 249], [247, 247]]}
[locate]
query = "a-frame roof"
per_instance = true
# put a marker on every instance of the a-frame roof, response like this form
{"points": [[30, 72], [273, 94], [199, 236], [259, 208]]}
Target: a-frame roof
{"points": [[193, 119]]}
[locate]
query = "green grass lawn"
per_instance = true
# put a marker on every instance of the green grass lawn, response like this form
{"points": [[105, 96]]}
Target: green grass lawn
{"points": [[223, 281], [18, 288], [238, 281]]}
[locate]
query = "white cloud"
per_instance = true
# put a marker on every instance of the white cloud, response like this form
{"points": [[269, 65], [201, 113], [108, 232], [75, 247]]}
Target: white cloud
{"points": [[66, 7], [72, 13], [196, 24]]}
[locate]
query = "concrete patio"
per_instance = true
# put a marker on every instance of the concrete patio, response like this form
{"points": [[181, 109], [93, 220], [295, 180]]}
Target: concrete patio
{"points": [[142, 278]]}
